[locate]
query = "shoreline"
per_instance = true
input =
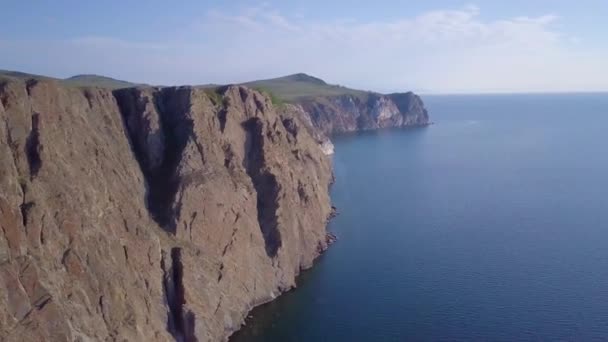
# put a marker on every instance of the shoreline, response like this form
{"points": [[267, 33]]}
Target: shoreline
{"points": [[331, 238]]}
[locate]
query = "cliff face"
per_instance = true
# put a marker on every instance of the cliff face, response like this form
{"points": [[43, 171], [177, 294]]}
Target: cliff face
{"points": [[348, 113], [151, 214]]}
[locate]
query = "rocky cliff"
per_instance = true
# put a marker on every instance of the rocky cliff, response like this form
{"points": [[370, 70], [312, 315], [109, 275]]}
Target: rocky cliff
{"points": [[354, 112], [149, 214], [332, 109]]}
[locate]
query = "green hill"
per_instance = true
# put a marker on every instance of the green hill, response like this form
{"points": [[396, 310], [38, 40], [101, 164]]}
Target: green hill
{"points": [[76, 81], [301, 86], [97, 81], [22, 75], [290, 88]]}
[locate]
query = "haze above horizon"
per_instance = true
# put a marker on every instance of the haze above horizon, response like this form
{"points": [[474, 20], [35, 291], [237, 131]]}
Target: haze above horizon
{"points": [[431, 46]]}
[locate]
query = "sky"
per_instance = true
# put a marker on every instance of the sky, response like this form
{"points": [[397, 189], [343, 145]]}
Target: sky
{"points": [[431, 46]]}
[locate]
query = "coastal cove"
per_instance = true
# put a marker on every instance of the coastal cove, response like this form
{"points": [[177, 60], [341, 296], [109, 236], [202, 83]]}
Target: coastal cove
{"points": [[485, 226]]}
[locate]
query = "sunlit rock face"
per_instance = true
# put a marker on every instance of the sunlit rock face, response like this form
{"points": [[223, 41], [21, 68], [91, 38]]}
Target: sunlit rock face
{"points": [[349, 113], [151, 214]]}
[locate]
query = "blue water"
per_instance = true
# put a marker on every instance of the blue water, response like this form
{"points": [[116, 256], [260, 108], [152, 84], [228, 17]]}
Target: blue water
{"points": [[491, 224]]}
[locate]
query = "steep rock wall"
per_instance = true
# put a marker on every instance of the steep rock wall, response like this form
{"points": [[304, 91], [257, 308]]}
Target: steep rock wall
{"points": [[151, 214], [349, 113]]}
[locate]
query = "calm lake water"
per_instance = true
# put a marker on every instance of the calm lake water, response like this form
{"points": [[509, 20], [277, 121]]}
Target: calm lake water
{"points": [[491, 224]]}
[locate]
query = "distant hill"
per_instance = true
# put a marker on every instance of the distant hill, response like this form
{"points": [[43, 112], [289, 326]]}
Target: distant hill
{"points": [[23, 75], [292, 88], [333, 109], [76, 81], [98, 81], [300, 86]]}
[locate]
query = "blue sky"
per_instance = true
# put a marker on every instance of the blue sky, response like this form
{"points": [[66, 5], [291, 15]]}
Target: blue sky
{"points": [[383, 45]]}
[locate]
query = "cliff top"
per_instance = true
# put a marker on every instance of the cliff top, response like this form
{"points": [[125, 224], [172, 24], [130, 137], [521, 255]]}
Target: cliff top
{"points": [[298, 86], [291, 88], [88, 80], [98, 81]]}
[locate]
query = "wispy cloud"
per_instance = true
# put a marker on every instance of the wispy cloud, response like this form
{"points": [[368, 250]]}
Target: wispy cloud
{"points": [[442, 50]]}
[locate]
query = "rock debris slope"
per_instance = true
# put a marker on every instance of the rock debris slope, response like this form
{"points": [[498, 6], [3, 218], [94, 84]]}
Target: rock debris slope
{"points": [[151, 214]]}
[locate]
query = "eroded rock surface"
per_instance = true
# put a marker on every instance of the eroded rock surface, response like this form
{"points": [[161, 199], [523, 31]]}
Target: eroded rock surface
{"points": [[150, 214], [349, 113]]}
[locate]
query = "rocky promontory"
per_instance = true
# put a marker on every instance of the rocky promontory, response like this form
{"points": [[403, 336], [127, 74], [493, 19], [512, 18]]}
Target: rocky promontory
{"points": [[333, 109], [350, 113], [162, 213]]}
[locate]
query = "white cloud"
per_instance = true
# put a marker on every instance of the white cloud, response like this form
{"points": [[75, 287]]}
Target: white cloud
{"points": [[444, 50]]}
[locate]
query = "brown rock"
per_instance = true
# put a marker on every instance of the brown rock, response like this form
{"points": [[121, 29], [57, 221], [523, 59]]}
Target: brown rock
{"points": [[151, 214], [349, 113]]}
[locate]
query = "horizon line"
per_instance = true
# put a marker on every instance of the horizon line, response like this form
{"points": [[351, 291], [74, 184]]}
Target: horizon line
{"points": [[419, 92]]}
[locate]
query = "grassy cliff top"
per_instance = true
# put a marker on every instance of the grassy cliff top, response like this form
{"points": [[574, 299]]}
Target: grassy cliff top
{"points": [[76, 81], [284, 89], [98, 81], [301, 86]]}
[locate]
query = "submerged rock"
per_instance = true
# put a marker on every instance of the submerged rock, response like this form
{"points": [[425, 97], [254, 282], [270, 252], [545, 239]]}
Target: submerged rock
{"points": [[330, 238]]}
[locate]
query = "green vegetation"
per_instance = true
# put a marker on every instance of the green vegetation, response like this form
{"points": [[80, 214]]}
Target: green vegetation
{"points": [[300, 86], [97, 81], [292, 88], [213, 95], [22, 75], [273, 98], [76, 81]]}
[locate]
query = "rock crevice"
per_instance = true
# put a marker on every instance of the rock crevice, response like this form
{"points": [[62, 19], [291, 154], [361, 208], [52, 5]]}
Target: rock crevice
{"points": [[265, 183], [159, 130], [33, 146], [180, 322]]}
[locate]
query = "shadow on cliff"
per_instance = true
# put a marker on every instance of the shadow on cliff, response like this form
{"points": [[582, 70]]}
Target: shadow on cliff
{"points": [[265, 183], [176, 128]]}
